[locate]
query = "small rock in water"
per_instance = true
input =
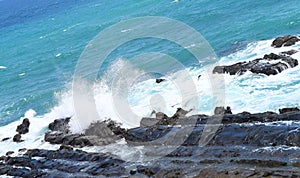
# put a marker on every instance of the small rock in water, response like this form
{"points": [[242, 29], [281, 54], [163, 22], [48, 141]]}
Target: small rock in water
{"points": [[159, 80], [288, 110], [17, 138], [4, 139], [24, 127], [199, 77]]}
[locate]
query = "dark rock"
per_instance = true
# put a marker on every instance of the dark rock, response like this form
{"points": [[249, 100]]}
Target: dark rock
{"points": [[62, 163], [9, 153], [222, 110], [108, 167], [230, 134], [269, 65], [98, 134], [2, 158], [285, 41], [258, 162], [132, 172], [290, 52], [65, 147], [170, 173], [107, 129], [163, 119], [4, 169], [148, 171], [17, 138], [288, 110], [199, 77], [296, 164], [209, 161], [115, 128], [244, 172], [22, 149], [160, 115], [159, 80], [77, 140], [67, 139], [4, 139], [180, 113], [24, 127], [61, 125], [148, 121]]}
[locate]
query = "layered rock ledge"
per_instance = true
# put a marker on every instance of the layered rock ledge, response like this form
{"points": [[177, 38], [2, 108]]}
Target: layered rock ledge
{"points": [[243, 145]]}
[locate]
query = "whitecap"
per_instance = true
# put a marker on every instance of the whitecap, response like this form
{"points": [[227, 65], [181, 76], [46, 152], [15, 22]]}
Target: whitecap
{"points": [[125, 30], [2, 67]]}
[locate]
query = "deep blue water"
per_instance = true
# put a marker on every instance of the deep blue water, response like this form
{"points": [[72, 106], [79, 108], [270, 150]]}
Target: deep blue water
{"points": [[41, 40]]}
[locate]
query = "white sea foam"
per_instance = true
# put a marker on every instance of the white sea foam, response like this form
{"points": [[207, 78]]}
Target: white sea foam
{"points": [[250, 92], [2, 67]]}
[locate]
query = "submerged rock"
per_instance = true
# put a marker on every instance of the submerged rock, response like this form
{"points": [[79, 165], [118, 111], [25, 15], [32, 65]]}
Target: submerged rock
{"points": [[270, 64], [285, 41]]}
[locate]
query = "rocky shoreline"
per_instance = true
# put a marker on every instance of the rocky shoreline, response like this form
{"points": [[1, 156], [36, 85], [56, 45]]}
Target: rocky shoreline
{"points": [[241, 144], [245, 145]]}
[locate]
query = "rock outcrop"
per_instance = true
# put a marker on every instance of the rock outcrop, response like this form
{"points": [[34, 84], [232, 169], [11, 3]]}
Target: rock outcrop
{"points": [[98, 134], [21, 129], [288, 40], [243, 145], [24, 127], [62, 163], [270, 64]]}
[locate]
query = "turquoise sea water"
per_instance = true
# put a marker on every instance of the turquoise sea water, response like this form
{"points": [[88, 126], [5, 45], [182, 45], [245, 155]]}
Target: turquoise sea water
{"points": [[41, 41]]}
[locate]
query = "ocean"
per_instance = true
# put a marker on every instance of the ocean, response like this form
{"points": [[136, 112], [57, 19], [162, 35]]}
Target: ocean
{"points": [[41, 42]]}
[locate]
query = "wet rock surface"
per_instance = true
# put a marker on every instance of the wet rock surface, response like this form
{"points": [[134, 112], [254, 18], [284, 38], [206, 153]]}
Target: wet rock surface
{"points": [[270, 64], [159, 80], [243, 145], [288, 40], [63, 162], [60, 125], [98, 134], [24, 127]]}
